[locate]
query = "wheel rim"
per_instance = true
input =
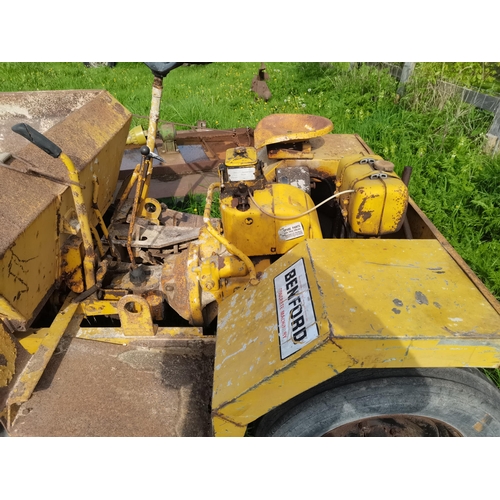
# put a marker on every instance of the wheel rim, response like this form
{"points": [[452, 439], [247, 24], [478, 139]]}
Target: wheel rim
{"points": [[395, 426]]}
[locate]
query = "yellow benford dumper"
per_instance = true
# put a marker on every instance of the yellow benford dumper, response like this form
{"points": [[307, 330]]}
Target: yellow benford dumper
{"points": [[322, 301]]}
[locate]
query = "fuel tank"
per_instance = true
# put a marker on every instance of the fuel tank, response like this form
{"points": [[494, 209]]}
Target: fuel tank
{"points": [[378, 205]]}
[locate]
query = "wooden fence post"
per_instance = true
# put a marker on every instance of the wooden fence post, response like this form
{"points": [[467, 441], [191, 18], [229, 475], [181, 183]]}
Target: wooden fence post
{"points": [[405, 76]]}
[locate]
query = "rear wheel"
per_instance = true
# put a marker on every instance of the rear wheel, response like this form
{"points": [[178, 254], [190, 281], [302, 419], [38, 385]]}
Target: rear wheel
{"points": [[442, 402]]}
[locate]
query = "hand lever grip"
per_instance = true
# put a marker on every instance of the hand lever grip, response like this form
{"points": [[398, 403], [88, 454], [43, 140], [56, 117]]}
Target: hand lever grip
{"points": [[37, 139]]}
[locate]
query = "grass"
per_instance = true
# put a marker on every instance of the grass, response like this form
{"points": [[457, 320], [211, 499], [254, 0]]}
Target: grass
{"points": [[453, 181], [193, 203]]}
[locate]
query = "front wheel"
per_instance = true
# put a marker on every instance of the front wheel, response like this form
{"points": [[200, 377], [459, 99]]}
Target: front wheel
{"points": [[442, 402]]}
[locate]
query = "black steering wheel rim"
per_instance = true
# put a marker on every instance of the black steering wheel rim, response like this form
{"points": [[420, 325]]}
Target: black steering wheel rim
{"points": [[162, 69]]}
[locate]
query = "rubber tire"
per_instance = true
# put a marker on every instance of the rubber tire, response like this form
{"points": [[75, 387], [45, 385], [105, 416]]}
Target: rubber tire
{"points": [[461, 397]]}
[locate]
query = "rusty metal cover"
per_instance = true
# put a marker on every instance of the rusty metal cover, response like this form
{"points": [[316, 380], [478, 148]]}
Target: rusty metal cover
{"points": [[290, 127], [79, 123], [93, 135], [42, 110], [98, 389]]}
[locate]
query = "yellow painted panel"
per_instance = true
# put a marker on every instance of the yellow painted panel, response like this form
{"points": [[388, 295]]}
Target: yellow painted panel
{"points": [[32, 341], [328, 151], [399, 288], [373, 303], [248, 347], [256, 233], [423, 353], [241, 157], [224, 428], [29, 268]]}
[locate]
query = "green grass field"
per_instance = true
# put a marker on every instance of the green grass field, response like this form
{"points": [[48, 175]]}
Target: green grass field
{"points": [[453, 181]]}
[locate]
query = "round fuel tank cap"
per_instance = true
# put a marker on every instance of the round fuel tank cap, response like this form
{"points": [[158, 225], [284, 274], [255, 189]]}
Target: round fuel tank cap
{"points": [[384, 165]]}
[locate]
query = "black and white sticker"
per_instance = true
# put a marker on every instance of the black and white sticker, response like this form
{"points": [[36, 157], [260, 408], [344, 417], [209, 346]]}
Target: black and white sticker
{"points": [[291, 231], [296, 319], [241, 174]]}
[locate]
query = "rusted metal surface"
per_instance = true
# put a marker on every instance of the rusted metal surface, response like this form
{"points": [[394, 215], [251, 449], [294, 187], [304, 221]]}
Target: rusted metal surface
{"points": [[135, 316], [42, 110], [71, 264], [93, 136], [177, 285], [154, 236], [186, 280], [97, 389], [154, 298], [299, 150], [214, 142], [217, 141], [180, 219], [151, 279], [27, 380], [290, 127], [173, 336]]}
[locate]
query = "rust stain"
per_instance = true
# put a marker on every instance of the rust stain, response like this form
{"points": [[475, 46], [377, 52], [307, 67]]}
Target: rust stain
{"points": [[15, 260], [362, 214], [287, 127], [175, 286]]}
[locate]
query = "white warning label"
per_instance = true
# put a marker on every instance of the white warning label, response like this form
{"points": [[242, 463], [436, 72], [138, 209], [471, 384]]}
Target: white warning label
{"points": [[241, 174], [291, 231], [296, 319]]}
